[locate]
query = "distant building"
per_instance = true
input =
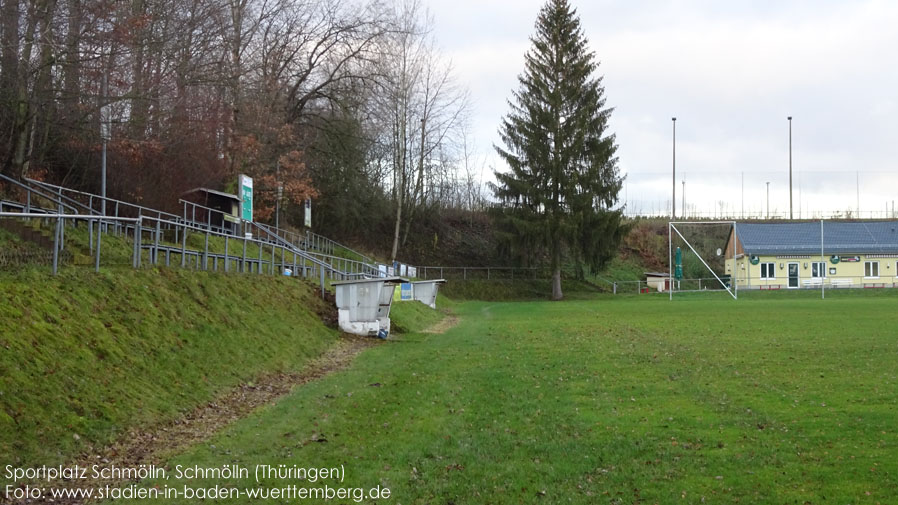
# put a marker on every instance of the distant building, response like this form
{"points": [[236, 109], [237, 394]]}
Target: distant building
{"points": [[793, 256], [659, 281]]}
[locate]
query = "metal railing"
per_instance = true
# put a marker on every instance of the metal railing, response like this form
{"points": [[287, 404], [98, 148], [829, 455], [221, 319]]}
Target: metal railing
{"points": [[313, 241], [483, 273], [348, 267], [116, 208], [146, 237], [314, 245], [147, 227], [680, 286]]}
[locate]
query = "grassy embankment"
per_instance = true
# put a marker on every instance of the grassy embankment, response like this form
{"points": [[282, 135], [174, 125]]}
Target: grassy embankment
{"points": [[771, 399], [85, 356]]}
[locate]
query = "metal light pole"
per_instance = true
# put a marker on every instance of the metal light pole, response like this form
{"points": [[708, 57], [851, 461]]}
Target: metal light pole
{"points": [[683, 198], [105, 134], [790, 167], [280, 191], [673, 196], [768, 200]]}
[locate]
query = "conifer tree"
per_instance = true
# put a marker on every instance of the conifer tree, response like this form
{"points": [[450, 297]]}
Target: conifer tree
{"points": [[558, 197]]}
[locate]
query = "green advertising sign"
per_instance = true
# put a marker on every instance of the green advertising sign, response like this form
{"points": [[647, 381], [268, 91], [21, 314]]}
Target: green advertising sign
{"points": [[246, 198]]}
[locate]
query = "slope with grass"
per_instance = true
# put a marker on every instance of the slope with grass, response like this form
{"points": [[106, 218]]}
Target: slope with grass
{"points": [[616, 400], [85, 356]]}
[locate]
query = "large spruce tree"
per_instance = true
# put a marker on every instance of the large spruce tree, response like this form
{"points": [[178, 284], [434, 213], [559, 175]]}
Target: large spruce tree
{"points": [[559, 195]]}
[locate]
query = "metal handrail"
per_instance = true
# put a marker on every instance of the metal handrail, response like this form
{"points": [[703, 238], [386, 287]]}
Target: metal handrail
{"points": [[51, 197], [295, 249], [366, 268], [140, 208], [57, 190], [333, 243]]}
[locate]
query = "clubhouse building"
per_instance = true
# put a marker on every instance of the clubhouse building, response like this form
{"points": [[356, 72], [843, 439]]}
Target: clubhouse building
{"points": [[797, 255]]}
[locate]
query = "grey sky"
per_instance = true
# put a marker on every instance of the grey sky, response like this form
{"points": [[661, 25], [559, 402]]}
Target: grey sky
{"points": [[730, 72]]}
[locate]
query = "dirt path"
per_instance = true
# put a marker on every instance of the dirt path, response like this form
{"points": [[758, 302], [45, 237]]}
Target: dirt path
{"points": [[156, 444], [446, 324]]}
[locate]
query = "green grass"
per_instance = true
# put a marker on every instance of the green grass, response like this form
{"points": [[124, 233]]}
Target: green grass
{"points": [[514, 290], [612, 400], [413, 316], [91, 355]]}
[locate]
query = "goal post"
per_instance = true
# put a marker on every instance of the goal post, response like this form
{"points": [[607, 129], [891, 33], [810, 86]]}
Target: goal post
{"points": [[674, 227]]}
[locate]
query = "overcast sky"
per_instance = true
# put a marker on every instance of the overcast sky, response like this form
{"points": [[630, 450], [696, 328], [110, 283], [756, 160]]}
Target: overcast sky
{"points": [[731, 72]]}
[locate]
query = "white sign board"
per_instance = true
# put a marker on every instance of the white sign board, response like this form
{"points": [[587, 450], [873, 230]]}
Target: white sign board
{"points": [[105, 118]]}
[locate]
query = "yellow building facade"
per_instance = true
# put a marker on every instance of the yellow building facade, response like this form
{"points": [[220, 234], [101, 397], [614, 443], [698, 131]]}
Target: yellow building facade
{"points": [[808, 256]]}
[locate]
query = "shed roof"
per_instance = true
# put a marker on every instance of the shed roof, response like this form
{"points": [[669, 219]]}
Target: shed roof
{"points": [[880, 237], [213, 192], [388, 280]]}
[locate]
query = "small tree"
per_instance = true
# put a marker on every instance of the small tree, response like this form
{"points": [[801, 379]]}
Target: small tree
{"points": [[558, 196]]}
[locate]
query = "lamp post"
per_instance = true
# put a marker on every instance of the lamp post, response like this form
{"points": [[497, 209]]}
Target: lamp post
{"points": [[683, 199], [105, 135], [790, 167], [673, 196], [768, 200]]}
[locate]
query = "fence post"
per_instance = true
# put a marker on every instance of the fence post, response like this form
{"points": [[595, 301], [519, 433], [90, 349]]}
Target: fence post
{"points": [[184, 245], [56, 244], [135, 261], [99, 234], [321, 280], [62, 228], [243, 264], [206, 252], [259, 271], [90, 227], [226, 255], [156, 243]]}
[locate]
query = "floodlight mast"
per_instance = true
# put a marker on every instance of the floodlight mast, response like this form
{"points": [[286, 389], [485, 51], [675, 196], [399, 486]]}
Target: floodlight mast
{"points": [[673, 195], [790, 167]]}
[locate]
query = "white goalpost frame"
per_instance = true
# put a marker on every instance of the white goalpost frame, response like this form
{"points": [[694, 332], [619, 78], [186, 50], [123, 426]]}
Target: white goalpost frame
{"points": [[672, 227]]}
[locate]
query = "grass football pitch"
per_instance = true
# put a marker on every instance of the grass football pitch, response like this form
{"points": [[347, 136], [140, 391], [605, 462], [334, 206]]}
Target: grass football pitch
{"points": [[771, 399]]}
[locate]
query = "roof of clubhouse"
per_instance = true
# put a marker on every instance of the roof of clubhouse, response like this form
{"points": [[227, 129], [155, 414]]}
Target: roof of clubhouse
{"points": [[880, 237]]}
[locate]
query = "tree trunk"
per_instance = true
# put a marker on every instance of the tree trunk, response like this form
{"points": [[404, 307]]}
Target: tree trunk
{"points": [[556, 284], [22, 121], [556, 270], [418, 185], [72, 66], [396, 229]]}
